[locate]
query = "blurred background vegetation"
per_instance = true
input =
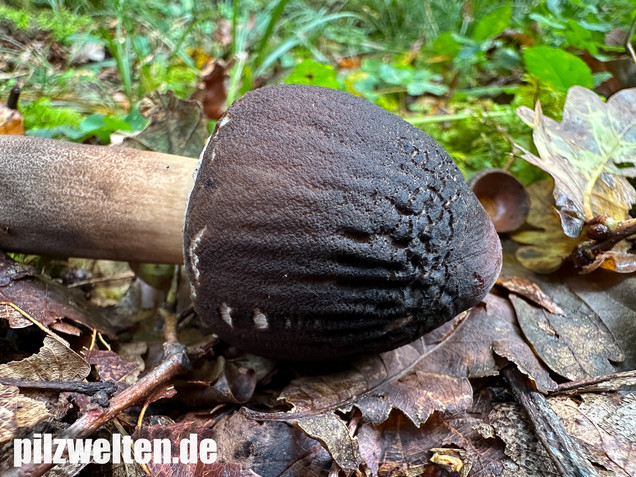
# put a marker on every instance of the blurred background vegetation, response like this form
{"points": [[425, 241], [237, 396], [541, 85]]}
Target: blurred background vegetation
{"points": [[457, 69]]}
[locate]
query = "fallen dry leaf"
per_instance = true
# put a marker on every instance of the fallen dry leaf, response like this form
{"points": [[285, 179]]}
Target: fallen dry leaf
{"points": [[112, 367], [594, 138], [543, 250], [44, 300], [531, 291], [54, 362], [11, 121], [509, 422], [605, 426], [177, 126], [18, 411]]}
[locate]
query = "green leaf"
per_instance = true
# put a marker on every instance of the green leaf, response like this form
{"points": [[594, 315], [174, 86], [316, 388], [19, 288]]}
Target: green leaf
{"points": [[395, 76], [313, 73], [424, 81], [446, 45], [557, 67], [493, 24]]}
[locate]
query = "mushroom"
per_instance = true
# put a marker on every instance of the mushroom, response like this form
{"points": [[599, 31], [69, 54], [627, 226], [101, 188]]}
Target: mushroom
{"points": [[319, 225]]}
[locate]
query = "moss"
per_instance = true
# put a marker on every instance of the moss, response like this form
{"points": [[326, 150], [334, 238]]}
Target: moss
{"points": [[62, 24], [20, 18], [41, 114]]}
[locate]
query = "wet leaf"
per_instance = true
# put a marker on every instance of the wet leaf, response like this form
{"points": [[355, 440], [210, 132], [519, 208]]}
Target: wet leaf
{"points": [[595, 140]]}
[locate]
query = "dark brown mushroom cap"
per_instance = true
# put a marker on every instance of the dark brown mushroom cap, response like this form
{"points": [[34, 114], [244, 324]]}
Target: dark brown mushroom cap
{"points": [[321, 225]]}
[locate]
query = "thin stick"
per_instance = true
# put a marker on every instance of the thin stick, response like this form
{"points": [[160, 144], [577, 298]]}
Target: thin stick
{"points": [[175, 362]]}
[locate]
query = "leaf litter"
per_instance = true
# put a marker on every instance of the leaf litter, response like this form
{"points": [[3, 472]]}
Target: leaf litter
{"points": [[438, 403]]}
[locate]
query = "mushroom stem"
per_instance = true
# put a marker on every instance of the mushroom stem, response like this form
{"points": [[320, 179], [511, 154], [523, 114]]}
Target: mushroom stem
{"points": [[60, 198]]}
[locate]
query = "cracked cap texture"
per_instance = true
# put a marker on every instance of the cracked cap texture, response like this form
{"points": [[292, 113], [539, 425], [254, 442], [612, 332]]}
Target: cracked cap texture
{"points": [[321, 226]]}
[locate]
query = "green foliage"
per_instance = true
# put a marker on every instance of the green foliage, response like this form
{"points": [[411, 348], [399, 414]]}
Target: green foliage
{"points": [[466, 65], [96, 125], [479, 136], [560, 69], [493, 24], [19, 18], [312, 73], [383, 83]]}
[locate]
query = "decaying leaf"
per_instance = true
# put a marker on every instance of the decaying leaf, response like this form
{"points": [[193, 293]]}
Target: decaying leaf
{"points": [[460, 443], [613, 299], [177, 126], [594, 140], [605, 426], [112, 367], [11, 121], [509, 422], [18, 411], [619, 259], [531, 291], [54, 362], [575, 344], [544, 249], [44, 300], [245, 448]]}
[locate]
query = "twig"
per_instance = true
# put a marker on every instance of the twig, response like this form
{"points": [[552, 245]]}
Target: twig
{"points": [[88, 388], [174, 363], [564, 452], [609, 382], [585, 253], [94, 281]]}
